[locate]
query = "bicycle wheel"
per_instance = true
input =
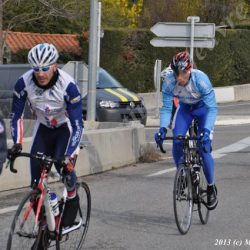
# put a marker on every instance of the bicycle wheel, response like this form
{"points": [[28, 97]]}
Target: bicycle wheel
{"points": [[23, 234], [74, 239], [182, 199], [202, 209]]}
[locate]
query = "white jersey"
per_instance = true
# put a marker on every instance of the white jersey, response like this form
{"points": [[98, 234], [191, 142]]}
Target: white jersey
{"points": [[54, 106]]}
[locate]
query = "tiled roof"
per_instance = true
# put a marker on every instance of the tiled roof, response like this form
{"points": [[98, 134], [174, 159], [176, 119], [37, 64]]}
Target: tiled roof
{"points": [[26, 40]]}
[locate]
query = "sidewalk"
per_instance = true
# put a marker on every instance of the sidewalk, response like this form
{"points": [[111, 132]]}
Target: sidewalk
{"points": [[222, 120]]}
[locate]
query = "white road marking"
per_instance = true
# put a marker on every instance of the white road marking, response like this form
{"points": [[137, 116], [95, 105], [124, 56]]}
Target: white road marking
{"points": [[235, 147], [162, 172], [8, 209], [219, 153]]}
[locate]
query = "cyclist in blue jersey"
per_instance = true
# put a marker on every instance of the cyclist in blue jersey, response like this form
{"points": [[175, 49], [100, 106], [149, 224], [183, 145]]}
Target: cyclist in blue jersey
{"points": [[55, 101], [196, 100]]}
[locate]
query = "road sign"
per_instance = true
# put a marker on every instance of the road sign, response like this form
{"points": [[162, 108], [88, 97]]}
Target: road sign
{"points": [[201, 30], [182, 42]]}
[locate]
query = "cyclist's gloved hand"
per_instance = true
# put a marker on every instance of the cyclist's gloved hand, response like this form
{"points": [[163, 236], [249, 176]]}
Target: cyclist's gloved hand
{"points": [[160, 136], [15, 150], [205, 140], [68, 164]]}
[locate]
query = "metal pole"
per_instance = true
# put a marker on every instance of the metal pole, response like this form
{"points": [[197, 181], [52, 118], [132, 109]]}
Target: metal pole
{"points": [[99, 33], [192, 19], [157, 75], [92, 69], [192, 41]]}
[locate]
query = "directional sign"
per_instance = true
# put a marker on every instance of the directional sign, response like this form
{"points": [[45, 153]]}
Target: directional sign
{"points": [[201, 30], [182, 42]]}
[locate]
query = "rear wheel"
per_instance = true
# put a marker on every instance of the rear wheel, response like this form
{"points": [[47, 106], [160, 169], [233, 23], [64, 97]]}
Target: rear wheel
{"points": [[23, 233], [74, 239], [182, 199], [202, 209]]}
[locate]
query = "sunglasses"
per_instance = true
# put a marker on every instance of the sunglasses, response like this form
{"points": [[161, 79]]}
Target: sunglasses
{"points": [[43, 69]]}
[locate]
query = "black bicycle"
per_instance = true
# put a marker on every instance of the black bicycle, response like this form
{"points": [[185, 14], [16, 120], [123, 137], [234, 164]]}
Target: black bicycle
{"points": [[36, 226], [190, 184]]}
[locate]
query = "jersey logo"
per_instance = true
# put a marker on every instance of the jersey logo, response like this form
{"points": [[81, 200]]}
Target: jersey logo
{"points": [[75, 100], [53, 122], [47, 110], [39, 92]]}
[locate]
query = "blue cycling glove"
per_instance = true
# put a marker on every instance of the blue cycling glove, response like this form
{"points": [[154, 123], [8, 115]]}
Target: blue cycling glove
{"points": [[160, 136], [205, 140]]}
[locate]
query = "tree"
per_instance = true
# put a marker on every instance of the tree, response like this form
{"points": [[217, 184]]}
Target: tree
{"points": [[38, 16], [168, 11], [216, 11], [121, 13]]}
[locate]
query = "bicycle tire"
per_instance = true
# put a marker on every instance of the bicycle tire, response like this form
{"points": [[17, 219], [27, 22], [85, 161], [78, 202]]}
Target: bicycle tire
{"points": [[182, 193], [21, 235], [75, 239], [202, 209]]}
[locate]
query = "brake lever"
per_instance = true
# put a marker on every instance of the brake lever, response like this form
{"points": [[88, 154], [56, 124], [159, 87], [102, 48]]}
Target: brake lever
{"points": [[12, 169], [162, 149], [10, 163]]}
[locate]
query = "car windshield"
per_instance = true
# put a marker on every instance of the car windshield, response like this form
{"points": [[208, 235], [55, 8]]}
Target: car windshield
{"points": [[106, 80]]}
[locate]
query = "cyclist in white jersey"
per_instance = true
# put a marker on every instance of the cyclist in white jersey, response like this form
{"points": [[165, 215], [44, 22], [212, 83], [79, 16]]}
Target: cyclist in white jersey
{"points": [[56, 102]]}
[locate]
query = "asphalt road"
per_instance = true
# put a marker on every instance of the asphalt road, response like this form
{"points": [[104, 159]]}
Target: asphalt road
{"points": [[133, 211], [238, 108]]}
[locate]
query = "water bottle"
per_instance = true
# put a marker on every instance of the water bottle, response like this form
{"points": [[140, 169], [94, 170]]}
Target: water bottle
{"points": [[54, 204]]}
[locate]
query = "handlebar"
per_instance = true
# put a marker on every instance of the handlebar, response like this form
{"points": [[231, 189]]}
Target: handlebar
{"points": [[39, 156], [180, 138]]}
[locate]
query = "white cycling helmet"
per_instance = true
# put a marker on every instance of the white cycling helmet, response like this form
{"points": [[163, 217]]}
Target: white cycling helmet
{"points": [[43, 55]]}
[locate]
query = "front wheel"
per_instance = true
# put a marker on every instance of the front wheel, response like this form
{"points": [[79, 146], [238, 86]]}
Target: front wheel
{"points": [[182, 199], [24, 234], [74, 239]]}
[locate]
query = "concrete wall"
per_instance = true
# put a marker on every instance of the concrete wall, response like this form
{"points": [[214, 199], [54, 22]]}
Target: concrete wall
{"points": [[223, 94], [242, 92], [107, 149]]}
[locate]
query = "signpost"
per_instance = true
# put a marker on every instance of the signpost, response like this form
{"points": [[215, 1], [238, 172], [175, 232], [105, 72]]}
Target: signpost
{"points": [[191, 34], [182, 42], [202, 30]]}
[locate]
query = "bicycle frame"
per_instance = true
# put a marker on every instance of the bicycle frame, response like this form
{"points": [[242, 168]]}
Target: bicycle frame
{"points": [[44, 196], [52, 221]]}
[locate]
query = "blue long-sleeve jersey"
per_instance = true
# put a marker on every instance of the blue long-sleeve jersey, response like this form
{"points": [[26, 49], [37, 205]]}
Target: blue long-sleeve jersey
{"points": [[62, 103], [197, 91]]}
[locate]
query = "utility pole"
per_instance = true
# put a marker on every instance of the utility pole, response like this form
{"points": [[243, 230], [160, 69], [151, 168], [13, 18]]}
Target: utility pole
{"points": [[92, 69], [99, 33]]}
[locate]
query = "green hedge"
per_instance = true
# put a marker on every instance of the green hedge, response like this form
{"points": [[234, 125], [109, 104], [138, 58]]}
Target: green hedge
{"points": [[129, 56]]}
